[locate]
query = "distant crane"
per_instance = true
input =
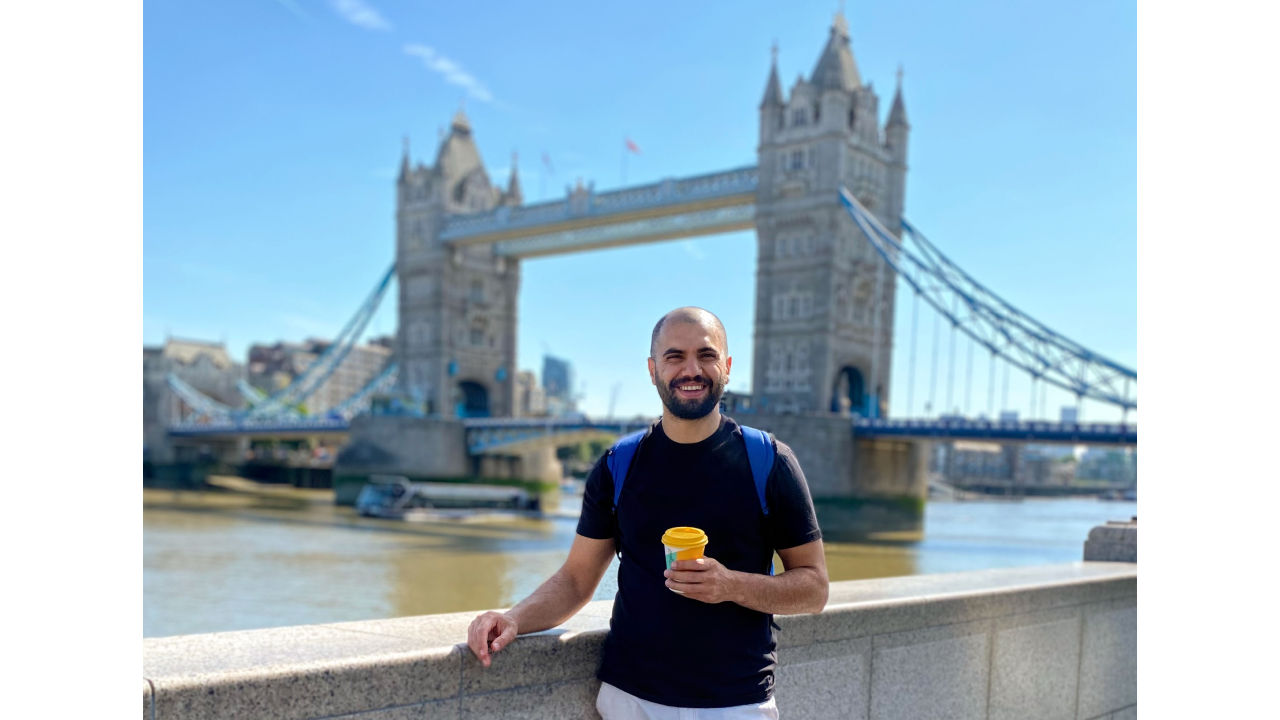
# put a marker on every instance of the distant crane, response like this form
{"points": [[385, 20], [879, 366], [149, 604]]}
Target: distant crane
{"points": [[613, 398]]}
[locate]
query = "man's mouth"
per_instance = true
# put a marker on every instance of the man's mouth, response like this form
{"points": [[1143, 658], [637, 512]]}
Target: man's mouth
{"points": [[691, 390]]}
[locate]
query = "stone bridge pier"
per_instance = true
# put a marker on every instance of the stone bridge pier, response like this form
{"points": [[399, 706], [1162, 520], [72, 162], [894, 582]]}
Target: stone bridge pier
{"points": [[861, 488]]}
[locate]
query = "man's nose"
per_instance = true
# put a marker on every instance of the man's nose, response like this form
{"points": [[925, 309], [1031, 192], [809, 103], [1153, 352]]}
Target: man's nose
{"points": [[691, 368]]}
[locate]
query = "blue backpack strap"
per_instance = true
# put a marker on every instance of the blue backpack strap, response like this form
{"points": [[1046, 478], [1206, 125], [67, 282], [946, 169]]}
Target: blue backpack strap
{"points": [[619, 461], [760, 454]]}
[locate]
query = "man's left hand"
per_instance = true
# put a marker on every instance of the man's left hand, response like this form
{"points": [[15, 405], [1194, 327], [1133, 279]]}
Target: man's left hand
{"points": [[704, 579]]}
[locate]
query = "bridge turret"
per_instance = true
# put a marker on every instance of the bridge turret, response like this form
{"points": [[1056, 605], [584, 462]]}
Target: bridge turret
{"points": [[896, 130], [771, 107], [819, 344], [456, 344], [514, 196], [836, 69]]}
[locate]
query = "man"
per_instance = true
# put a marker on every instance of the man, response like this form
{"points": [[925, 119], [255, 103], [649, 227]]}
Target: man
{"points": [[696, 640]]}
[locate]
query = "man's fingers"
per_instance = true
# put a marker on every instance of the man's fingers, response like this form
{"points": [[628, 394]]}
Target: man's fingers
{"points": [[478, 637], [685, 576], [504, 639], [698, 565]]}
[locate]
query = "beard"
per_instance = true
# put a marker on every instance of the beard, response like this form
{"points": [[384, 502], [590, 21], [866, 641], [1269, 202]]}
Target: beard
{"points": [[696, 408]]}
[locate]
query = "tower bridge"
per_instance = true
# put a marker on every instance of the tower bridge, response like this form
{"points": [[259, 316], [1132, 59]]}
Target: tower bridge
{"points": [[826, 198]]}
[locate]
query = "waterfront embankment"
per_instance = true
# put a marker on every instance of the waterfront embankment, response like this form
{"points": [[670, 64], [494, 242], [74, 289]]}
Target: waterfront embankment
{"points": [[1033, 642]]}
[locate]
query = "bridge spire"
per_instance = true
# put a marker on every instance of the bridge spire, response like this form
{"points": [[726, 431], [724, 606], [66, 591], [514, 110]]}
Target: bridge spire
{"points": [[773, 88], [836, 68], [898, 113], [404, 160], [514, 195]]}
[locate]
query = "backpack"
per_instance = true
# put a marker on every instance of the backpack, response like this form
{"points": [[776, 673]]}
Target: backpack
{"points": [[760, 455]]}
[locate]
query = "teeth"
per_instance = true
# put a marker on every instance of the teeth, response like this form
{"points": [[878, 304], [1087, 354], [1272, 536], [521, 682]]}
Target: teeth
{"points": [[691, 388]]}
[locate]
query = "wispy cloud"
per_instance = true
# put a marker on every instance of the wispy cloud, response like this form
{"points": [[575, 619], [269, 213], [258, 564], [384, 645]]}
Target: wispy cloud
{"points": [[450, 70], [360, 14]]}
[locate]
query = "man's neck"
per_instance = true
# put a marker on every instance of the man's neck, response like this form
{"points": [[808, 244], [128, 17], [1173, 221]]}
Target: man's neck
{"points": [[690, 431]]}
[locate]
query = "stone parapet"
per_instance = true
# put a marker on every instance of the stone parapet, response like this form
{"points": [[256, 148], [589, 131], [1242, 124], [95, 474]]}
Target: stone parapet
{"points": [[1047, 642], [1117, 541]]}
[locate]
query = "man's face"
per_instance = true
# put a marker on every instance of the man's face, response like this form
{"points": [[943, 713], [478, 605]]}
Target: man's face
{"points": [[690, 368]]}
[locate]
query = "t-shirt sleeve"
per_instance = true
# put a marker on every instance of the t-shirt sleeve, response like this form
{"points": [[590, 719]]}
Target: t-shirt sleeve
{"points": [[596, 520], [791, 521]]}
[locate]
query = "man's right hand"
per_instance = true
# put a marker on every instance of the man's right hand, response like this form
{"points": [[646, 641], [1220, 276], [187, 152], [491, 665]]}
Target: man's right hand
{"points": [[489, 633]]}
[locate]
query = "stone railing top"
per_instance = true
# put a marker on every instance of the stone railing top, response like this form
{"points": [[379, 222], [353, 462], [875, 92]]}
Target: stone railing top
{"points": [[585, 202], [883, 605]]}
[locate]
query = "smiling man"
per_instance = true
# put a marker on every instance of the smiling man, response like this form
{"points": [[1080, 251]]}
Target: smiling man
{"points": [[696, 640]]}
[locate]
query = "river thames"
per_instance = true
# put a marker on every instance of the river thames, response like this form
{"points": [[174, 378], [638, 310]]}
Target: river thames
{"points": [[218, 562]]}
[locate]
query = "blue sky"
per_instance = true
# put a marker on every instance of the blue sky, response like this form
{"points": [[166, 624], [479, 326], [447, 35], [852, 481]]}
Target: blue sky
{"points": [[273, 129]]}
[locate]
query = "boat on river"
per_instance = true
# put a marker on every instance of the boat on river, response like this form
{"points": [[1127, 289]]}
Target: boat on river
{"points": [[395, 497]]}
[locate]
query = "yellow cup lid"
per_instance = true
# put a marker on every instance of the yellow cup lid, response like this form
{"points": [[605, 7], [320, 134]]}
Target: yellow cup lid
{"points": [[684, 537]]}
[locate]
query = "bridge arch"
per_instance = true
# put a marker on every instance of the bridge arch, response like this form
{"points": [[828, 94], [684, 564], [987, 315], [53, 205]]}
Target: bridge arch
{"points": [[849, 387], [473, 399]]}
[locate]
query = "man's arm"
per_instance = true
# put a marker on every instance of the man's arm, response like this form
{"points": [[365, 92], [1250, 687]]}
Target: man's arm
{"points": [[555, 601], [801, 588]]}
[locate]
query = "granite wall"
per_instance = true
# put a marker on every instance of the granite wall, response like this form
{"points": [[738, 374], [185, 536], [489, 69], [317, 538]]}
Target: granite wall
{"points": [[1051, 642]]}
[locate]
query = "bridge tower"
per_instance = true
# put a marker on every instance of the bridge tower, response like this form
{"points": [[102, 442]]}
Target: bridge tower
{"points": [[818, 344], [457, 331]]}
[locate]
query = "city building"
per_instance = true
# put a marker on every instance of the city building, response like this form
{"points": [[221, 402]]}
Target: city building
{"points": [[272, 367], [205, 366], [557, 377], [988, 463], [557, 385], [531, 399], [1114, 465]]}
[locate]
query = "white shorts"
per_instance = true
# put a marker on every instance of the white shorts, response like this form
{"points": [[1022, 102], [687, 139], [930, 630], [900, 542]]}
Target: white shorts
{"points": [[615, 704]]}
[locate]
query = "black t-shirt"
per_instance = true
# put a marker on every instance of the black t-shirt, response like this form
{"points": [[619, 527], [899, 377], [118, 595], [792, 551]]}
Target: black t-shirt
{"points": [[667, 648]]}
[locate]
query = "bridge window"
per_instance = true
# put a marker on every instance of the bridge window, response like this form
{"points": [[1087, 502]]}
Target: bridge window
{"points": [[792, 307], [477, 336], [800, 116], [477, 291], [797, 160], [806, 305]]}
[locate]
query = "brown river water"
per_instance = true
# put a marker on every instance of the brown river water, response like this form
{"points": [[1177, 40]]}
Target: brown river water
{"points": [[214, 562]]}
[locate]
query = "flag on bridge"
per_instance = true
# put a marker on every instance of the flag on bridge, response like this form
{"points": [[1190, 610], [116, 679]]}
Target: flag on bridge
{"points": [[546, 160], [632, 147]]}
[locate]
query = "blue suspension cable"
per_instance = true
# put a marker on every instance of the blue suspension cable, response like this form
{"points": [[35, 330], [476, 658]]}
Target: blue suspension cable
{"points": [[991, 385], [1032, 414], [968, 378], [951, 362], [933, 375], [1004, 398], [911, 364]]}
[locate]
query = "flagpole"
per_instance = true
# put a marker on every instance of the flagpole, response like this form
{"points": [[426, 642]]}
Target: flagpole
{"points": [[624, 163]]}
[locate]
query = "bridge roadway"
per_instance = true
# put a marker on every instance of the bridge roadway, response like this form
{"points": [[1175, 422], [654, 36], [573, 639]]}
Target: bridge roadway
{"points": [[486, 435]]}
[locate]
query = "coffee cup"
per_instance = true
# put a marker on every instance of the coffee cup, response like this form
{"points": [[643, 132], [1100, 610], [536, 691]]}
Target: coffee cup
{"points": [[683, 543]]}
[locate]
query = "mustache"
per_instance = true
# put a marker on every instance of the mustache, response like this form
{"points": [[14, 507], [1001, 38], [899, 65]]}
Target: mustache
{"points": [[698, 379]]}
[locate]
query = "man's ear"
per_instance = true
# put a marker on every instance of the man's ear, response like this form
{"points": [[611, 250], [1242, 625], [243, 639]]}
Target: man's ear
{"points": [[653, 375]]}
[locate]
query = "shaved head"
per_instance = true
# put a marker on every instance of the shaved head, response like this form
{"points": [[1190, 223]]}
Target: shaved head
{"points": [[693, 315]]}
